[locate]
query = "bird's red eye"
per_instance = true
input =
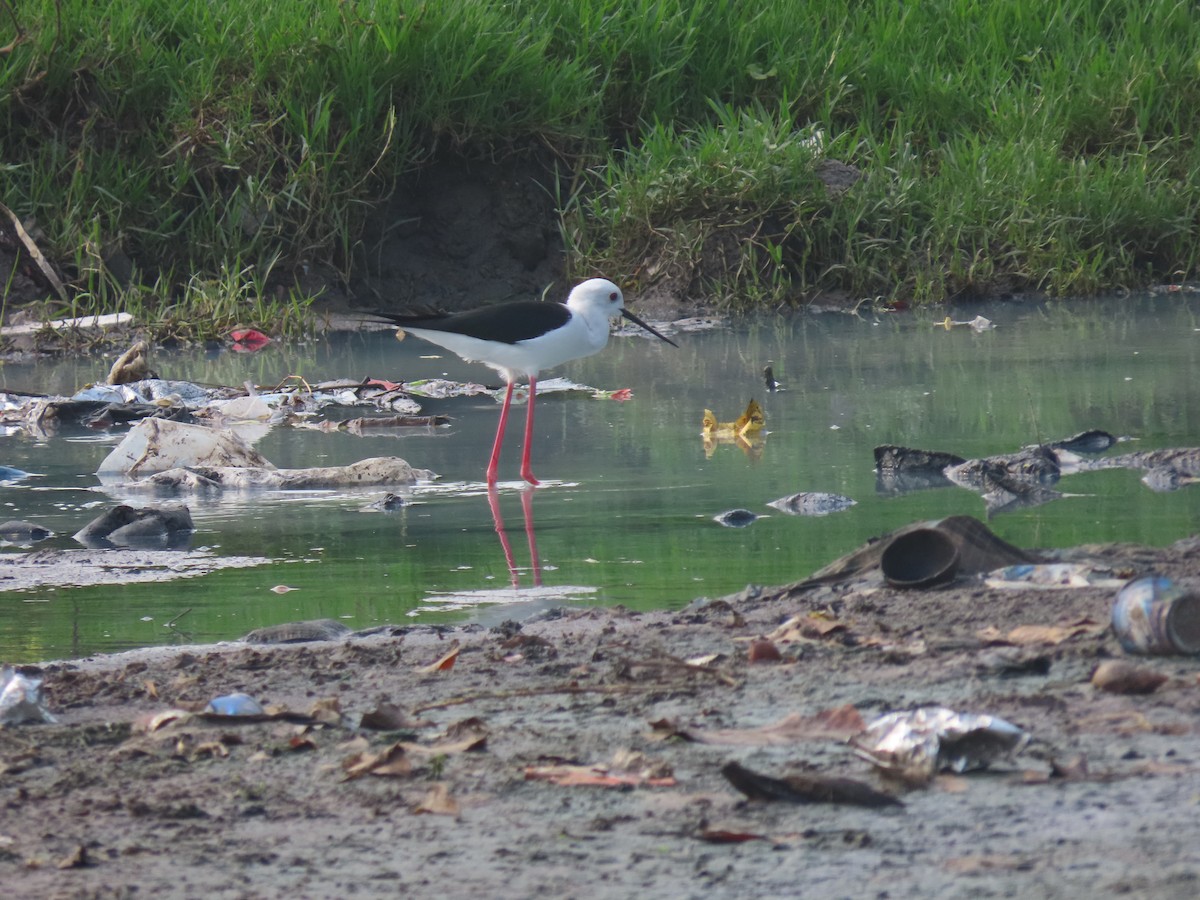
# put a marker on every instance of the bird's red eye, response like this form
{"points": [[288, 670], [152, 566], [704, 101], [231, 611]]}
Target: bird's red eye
{"points": [[613, 296]]}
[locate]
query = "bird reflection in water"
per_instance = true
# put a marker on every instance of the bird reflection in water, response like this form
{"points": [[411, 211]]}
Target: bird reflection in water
{"points": [[514, 573]]}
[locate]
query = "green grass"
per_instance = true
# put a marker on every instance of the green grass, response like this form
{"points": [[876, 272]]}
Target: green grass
{"points": [[1015, 146]]}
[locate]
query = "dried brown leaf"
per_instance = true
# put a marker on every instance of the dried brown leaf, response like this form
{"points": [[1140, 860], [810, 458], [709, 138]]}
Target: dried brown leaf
{"points": [[392, 761], [438, 801], [445, 663]]}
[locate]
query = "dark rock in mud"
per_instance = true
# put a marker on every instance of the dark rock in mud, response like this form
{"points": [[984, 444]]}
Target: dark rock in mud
{"points": [[806, 788], [160, 527], [20, 530]]}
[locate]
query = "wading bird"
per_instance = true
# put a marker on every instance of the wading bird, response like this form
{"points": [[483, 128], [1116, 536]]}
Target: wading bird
{"points": [[523, 338]]}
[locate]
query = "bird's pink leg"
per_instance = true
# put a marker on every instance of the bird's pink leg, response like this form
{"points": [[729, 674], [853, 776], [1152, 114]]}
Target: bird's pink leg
{"points": [[526, 470], [494, 463]]}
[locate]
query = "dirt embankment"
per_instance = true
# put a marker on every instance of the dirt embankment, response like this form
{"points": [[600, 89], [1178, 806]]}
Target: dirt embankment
{"points": [[476, 779]]}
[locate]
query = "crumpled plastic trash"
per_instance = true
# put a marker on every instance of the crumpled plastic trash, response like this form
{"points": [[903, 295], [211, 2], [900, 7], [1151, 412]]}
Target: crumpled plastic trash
{"points": [[21, 699], [917, 744], [234, 705], [149, 390]]}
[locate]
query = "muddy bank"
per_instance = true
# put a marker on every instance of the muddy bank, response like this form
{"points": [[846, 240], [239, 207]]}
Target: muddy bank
{"points": [[446, 793]]}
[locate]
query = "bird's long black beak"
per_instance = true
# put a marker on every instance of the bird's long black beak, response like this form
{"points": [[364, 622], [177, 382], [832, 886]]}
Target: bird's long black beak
{"points": [[636, 321]]}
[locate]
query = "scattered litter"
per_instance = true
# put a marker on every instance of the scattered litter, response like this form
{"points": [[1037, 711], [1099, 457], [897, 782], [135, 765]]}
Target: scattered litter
{"points": [[237, 704], [132, 365], [920, 558], [1050, 576], [746, 432], [79, 323], [979, 323], [248, 340], [628, 769], [21, 699], [837, 724], [445, 663], [917, 744], [1026, 635], [1156, 615], [156, 445], [389, 762]]}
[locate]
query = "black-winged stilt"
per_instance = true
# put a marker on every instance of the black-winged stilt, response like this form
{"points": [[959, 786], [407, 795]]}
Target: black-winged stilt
{"points": [[523, 338]]}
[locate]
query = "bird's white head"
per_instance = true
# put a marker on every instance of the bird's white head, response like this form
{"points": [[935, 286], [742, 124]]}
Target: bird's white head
{"points": [[596, 295], [598, 299]]}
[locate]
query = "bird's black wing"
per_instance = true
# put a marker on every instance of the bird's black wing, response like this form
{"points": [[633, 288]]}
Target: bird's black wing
{"points": [[505, 323]]}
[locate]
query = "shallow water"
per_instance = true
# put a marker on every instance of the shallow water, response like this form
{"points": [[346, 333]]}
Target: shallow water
{"points": [[625, 515]]}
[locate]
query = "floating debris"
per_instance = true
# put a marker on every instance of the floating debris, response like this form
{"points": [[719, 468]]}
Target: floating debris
{"points": [[157, 445], [747, 424], [388, 503], [746, 432], [769, 379], [132, 365], [1164, 479], [979, 323], [736, 518], [812, 503]]}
